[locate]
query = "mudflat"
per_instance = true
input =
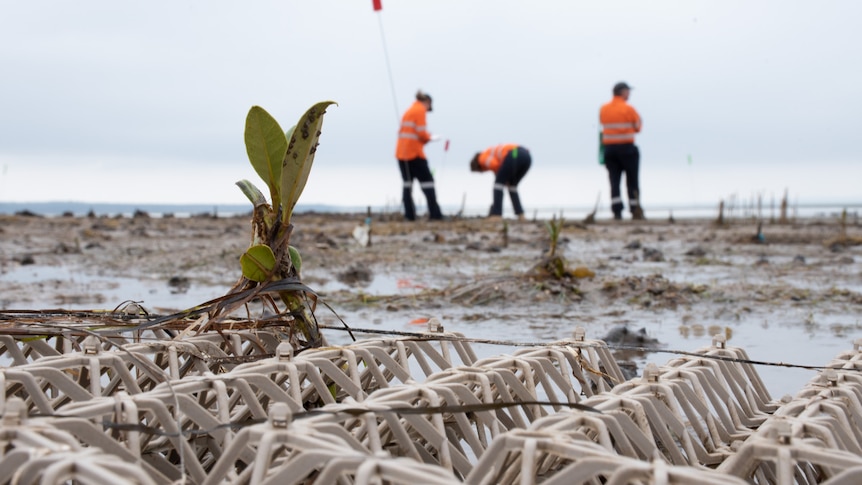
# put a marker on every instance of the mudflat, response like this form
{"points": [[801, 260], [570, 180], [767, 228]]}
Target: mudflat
{"points": [[790, 292]]}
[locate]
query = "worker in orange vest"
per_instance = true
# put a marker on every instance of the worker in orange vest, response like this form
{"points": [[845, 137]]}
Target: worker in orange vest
{"points": [[412, 137], [509, 162], [620, 122]]}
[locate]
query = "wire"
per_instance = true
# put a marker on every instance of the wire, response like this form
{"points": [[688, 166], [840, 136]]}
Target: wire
{"points": [[350, 411], [455, 338], [94, 330]]}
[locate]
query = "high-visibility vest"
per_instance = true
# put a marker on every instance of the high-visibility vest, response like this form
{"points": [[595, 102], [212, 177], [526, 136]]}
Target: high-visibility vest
{"points": [[413, 134], [492, 158], [619, 121]]}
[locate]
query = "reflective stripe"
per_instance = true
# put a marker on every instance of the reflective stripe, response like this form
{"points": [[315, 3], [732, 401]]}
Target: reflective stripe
{"points": [[633, 202], [488, 160], [499, 187], [621, 136], [427, 185], [617, 200], [513, 190], [498, 153], [410, 124], [410, 127], [619, 126], [408, 185], [412, 133], [495, 154]]}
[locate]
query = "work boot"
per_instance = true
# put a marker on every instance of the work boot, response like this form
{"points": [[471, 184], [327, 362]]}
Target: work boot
{"points": [[638, 214], [618, 216]]}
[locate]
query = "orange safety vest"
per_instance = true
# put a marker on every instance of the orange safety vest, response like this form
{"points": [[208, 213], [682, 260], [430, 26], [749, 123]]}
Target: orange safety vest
{"points": [[413, 134], [493, 157], [619, 121]]}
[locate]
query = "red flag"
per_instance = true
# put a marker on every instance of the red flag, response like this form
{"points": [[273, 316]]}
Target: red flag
{"points": [[378, 5], [446, 146]]}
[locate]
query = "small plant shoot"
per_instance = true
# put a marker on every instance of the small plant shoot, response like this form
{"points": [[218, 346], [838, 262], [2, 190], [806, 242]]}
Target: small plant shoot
{"points": [[283, 160]]}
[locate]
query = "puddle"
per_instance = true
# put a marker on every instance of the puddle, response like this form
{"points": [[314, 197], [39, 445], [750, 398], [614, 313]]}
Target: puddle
{"points": [[381, 284], [76, 290], [778, 337]]}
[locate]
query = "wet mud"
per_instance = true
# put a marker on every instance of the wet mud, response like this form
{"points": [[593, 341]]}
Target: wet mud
{"points": [[791, 293]]}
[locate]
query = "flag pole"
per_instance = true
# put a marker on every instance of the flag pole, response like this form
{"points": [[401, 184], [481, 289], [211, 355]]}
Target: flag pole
{"points": [[378, 7]]}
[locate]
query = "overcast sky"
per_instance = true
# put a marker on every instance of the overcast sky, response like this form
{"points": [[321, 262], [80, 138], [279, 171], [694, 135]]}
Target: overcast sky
{"points": [[146, 101]]}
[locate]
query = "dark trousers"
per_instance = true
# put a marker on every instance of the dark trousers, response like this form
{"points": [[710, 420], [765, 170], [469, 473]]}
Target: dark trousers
{"points": [[512, 170], [418, 169], [623, 159]]}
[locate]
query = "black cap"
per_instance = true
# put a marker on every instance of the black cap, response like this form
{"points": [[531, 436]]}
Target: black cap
{"points": [[620, 87], [420, 96]]}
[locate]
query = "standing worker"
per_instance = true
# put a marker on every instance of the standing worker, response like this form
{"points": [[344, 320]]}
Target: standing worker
{"points": [[510, 163], [620, 122], [412, 137]]}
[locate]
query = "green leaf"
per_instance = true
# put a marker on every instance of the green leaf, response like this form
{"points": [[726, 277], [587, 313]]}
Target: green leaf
{"points": [[258, 263], [299, 157], [295, 259], [254, 195], [266, 146]]}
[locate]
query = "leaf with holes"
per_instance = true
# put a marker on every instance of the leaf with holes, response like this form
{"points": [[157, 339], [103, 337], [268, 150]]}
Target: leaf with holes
{"points": [[302, 139]]}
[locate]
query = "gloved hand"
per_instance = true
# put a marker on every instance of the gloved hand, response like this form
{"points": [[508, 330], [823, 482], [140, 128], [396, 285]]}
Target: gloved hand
{"points": [[435, 138]]}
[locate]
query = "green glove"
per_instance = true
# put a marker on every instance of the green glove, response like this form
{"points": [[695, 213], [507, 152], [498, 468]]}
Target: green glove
{"points": [[601, 149]]}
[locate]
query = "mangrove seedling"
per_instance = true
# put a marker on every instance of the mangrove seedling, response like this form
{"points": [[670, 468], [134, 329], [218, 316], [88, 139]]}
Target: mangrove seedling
{"points": [[552, 265], [271, 266]]}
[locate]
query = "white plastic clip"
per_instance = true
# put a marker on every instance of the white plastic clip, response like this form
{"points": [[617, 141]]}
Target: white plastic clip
{"points": [[284, 352], [651, 373], [280, 415], [831, 377], [580, 334], [91, 345], [434, 326], [783, 432]]}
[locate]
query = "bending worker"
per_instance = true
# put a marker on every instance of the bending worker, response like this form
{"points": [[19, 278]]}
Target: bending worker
{"points": [[410, 153], [510, 163], [620, 122]]}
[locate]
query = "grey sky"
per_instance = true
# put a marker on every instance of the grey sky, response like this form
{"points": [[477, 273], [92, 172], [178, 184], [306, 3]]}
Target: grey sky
{"points": [[122, 93]]}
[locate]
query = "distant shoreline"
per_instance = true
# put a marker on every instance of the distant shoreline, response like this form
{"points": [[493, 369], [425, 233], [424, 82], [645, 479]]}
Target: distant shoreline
{"points": [[81, 209]]}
